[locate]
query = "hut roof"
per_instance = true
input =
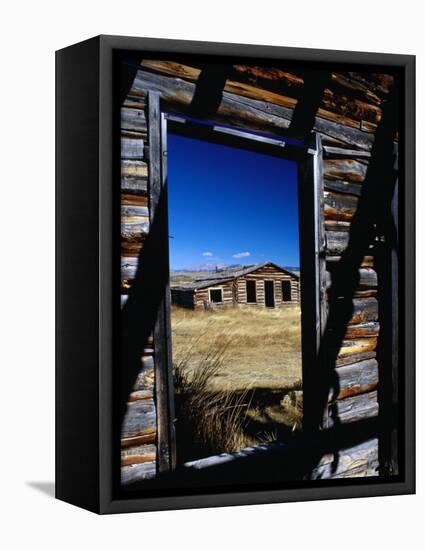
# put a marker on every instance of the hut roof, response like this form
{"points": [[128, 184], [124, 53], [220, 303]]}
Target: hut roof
{"points": [[226, 275]]}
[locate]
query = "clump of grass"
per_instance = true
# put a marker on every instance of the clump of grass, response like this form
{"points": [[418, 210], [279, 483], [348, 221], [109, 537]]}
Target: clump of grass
{"points": [[209, 422]]}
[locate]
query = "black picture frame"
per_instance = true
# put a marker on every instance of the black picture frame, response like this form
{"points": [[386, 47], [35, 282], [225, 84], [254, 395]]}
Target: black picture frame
{"points": [[85, 253]]}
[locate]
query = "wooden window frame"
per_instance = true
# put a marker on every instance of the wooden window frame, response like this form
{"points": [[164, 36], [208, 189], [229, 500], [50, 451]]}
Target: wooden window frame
{"points": [[220, 288], [311, 237]]}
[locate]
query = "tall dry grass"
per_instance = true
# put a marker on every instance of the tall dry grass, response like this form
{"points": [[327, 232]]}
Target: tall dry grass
{"points": [[232, 368], [209, 422]]}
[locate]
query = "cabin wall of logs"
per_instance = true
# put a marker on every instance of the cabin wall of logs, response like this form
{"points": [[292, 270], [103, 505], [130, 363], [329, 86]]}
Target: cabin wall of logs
{"points": [[265, 99]]}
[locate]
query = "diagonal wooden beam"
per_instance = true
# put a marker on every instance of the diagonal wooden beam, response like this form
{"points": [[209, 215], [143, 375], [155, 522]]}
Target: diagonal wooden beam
{"points": [[311, 95], [209, 90]]}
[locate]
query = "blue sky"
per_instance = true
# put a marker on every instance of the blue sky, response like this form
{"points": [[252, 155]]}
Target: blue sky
{"points": [[230, 206]]}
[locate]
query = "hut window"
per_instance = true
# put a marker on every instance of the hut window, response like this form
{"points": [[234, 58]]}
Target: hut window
{"points": [[251, 292], [216, 295], [286, 291]]}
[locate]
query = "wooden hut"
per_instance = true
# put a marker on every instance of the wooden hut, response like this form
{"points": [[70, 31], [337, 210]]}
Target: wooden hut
{"points": [[353, 116], [264, 284]]}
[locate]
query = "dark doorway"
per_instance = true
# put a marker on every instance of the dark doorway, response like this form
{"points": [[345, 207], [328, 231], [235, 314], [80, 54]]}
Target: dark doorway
{"points": [[286, 291], [269, 293]]}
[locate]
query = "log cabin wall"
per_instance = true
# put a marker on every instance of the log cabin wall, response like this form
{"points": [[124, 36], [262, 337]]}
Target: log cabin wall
{"points": [[345, 109]]}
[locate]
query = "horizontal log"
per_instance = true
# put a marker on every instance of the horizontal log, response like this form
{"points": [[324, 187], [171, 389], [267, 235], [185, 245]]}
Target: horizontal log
{"points": [[350, 107], [271, 77], [140, 395], [366, 293], [146, 439], [134, 102], [345, 82], [331, 152], [350, 359], [355, 347], [132, 231], [172, 90], [172, 68], [359, 460], [254, 114], [378, 82], [137, 472], [134, 120], [254, 92], [132, 148], [364, 311], [139, 419], [131, 249], [344, 169], [338, 206], [363, 330], [129, 211], [356, 378], [128, 199], [334, 225], [138, 454], [354, 409], [351, 136], [133, 176], [340, 186]]}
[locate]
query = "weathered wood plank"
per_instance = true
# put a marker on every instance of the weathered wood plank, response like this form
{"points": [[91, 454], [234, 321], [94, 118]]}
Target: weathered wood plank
{"points": [[356, 378], [351, 136], [345, 169], [133, 176], [346, 187], [355, 347], [132, 148], [338, 206], [357, 461], [364, 311], [331, 152], [350, 359], [132, 248], [140, 419], [134, 120], [140, 394], [351, 107], [363, 330], [347, 83], [128, 199], [137, 472], [131, 211], [145, 439], [138, 454], [133, 231], [172, 68], [353, 409]]}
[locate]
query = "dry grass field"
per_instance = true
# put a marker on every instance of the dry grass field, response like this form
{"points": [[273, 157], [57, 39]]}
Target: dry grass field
{"points": [[237, 375]]}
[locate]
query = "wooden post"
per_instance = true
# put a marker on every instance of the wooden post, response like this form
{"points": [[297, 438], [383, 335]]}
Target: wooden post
{"points": [[162, 330]]}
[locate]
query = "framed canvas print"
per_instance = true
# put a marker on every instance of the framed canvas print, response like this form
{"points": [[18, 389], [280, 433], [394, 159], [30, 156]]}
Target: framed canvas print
{"points": [[235, 274]]}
